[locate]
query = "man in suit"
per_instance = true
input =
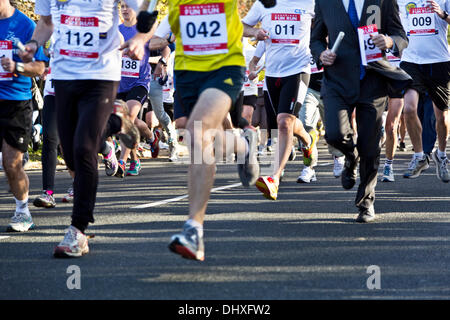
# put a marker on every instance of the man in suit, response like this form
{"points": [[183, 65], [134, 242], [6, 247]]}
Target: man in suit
{"points": [[348, 84]]}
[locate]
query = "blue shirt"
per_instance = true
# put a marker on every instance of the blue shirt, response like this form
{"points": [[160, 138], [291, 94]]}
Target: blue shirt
{"points": [[19, 27], [127, 83]]}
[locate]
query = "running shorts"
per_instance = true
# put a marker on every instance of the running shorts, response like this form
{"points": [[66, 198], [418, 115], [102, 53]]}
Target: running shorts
{"points": [[283, 92], [138, 93], [190, 84], [433, 79], [16, 123]]}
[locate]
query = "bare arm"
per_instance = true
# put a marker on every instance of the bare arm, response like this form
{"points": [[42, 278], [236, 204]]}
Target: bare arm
{"points": [[258, 33], [41, 34], [31, 69]]}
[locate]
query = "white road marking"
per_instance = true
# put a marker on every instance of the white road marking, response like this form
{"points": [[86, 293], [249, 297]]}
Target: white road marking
{"points": [[162, 202], [4, 237]]}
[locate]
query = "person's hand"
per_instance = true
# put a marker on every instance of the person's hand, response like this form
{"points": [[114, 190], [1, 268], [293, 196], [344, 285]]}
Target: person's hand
{"points": [[134, 48], [28, 54], [327, 57], [382, 42], [435, 7], [252, 76], [8, 65], [261, 34], [158, 71]]}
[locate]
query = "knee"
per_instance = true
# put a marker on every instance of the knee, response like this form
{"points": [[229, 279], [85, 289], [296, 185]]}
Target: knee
{"points": [[391, 128], [285, 124], [410, 110]]}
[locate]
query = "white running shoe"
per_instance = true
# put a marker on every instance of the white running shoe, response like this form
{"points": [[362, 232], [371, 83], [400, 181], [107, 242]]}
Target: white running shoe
{"points": [[110, 161], [388, 174], [68, 198], [338, 166], [308, 175], [20, 222], [74, 244]]}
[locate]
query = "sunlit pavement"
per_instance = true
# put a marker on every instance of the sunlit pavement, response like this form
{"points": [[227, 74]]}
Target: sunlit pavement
{"points": [[305, 245]]}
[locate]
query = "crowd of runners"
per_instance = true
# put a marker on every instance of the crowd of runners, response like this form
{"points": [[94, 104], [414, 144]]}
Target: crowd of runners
{"points": [[119, 80]]}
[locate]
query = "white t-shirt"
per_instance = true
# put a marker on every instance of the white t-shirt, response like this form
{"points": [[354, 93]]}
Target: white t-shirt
{"points": [[260, 53], [250, 86], [289, 27], [163, 29], [427, 44], [168, 88], [86, 38]]}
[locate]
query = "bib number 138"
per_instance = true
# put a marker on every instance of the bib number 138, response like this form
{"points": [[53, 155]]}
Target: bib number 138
{"points": [[204, 29]]}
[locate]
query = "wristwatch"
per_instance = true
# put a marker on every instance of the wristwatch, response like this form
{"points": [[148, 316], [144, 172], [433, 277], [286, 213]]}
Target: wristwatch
{"points": [[163, 62], [20, 67], [445, 15]]}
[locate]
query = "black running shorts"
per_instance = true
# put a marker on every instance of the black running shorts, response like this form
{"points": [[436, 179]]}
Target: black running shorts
{"points": [[433, 79], [250, 100], [283, 92], [138, 93], [16, 122], [190, 84]]}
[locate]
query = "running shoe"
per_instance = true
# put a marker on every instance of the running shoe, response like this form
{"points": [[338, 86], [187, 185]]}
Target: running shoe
{"points": [[249, 170], [308, 152], [121, 170], [20, 222], [74, 244], [308, 175], [68, 198], [173, 150], [155, 144], [388, 174], [45, 200], [441, 167], [416, 166], [269, 147], [135, 167], [268, 186], [402, 146], [338, 166], [188, 244], [110, 161]]}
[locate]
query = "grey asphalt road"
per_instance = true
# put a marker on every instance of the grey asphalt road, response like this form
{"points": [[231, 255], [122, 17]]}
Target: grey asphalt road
{"points": [[305, 245]]}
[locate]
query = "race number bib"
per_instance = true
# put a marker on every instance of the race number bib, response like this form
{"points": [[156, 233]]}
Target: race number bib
{"points": [[369, 52], [79, 37], [392, 59], [285, 28], [421, 22], [204, 29], [130, 67], [5, 52], [49, 87]]}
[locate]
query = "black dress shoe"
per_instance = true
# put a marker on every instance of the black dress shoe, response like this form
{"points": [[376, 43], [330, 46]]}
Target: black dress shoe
{"points": [[366, 215], [349, 174]]}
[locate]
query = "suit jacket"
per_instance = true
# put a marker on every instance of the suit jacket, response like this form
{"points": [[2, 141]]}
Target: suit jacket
{"points": [[342, 77]]}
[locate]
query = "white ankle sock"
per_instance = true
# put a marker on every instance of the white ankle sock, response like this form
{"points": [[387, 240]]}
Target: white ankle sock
{"points": [[22, 206], [441, 154], [196, 225]]}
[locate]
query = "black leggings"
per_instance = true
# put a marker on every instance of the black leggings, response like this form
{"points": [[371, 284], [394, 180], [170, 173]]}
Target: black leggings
{"points": [[82, 109], [50, 143]]}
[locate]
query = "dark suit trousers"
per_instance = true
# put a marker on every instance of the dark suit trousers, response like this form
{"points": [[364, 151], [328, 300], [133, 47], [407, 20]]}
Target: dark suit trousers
{"points": [[339, 133]]}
